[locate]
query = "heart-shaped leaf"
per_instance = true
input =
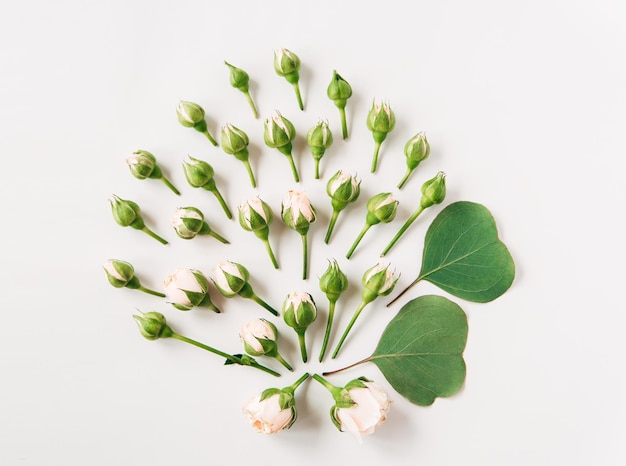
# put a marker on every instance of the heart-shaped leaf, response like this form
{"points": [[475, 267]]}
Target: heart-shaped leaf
{"points": [[420, 352], [464, 256]]}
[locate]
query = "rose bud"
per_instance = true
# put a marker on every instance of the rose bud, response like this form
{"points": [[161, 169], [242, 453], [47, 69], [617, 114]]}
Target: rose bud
{"points": [[278, 134], [231, 279], [287, 64], [121, 274], [333, 282], [377, 281], [343, 189], [191, 115], [319, 138], [143, 164], [200, 174], [299, 312], [433, 192], [380, 208], [416, 151], [256, 216], [128, 214], [339, 91], [360, 406], [239, 79], [235, 142], [298, 214], [274, 409], [380, 121], [188, 222], [259, 339], [187, 288]]}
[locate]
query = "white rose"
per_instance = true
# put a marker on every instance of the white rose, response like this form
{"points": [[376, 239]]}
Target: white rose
{"points": [[298, 202], [230, 268], [180, 281], [369, 411], [255, 330], [266, 416]]}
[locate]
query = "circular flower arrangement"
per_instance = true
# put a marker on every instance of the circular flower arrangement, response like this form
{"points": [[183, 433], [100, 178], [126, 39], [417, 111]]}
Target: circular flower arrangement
{"points": [[420, 352]]}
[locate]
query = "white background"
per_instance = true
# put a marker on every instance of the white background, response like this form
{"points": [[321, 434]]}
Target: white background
{"points": [[524, 106]]}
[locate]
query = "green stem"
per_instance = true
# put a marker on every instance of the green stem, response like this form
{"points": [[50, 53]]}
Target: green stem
{"points": [[413, 283], [344, 125], [154, 235], [302, 347], [210, 138], [296, 87], [406, 177], [329, 324], [169, 184], [222, 203], [331, 225], [294, 170], [329, 386], [305, 257], [252, 106], [268, 247], [317, 169], [345, 333], [292, 388], [229, 357], [281, 360], [250, 173], [263, 304], [406, 225], [358, 240], [218, 237], [152, 292], [375, 159]]}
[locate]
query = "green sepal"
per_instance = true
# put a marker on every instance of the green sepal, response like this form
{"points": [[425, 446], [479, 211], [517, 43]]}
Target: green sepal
{"points": [[132, 284], [269, 392]]}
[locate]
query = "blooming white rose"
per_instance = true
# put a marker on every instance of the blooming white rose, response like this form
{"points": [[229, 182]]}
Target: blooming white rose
{"points": [[266, 415], [370, 408], [186, 288], [255, 330]]}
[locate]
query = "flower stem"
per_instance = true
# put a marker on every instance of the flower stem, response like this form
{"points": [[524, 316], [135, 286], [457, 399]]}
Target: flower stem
{"points": [[229, 357], [152, 292], [154, 235], [296, 87], [329, 386], [305, 257], [210, 138], [252, 106], [292, 388], [375, 159], [263, 304], [344, 125], [222, 202], [345, 333], [406, 225], [294, 170], [358, 240], [329, 324], [169, 184], [348, 367], [268, 247], [331, 225], [281, 360], [317, 169], [405, 178], [218, 237], [302, 346], [250, 173]]}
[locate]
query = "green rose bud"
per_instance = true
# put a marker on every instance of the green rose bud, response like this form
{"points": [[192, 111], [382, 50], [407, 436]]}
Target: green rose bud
{"points": [[416, 151], [188, 288], [128, 214], [287, 64], [143, 164], [343, 189], [256, 216], [188, 222], [278, 134], [299, 311], [121, 274], [235, 142], [259, 339], [191, 115], [380, 208], [153, 325], [380, 121], [339, 91], [298, 214], [434, 190], [239, 79], [200, 174], [319, 138], [333, 282]]}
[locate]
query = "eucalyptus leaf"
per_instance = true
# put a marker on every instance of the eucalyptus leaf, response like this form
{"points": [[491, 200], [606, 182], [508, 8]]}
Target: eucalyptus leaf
{"points": [[464, 256], [420, 352]]}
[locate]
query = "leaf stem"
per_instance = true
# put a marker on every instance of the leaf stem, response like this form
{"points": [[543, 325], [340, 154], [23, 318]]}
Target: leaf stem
{"points": [[263, 304], [329, 324], [352, 321], [329, 386], [317, 169], [358, 240], [404, 227], [348, 367], [413, 283]]}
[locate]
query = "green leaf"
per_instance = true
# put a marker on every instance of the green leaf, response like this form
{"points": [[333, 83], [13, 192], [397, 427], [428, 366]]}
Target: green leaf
{"points": [[420, 352], [464, 256]]}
